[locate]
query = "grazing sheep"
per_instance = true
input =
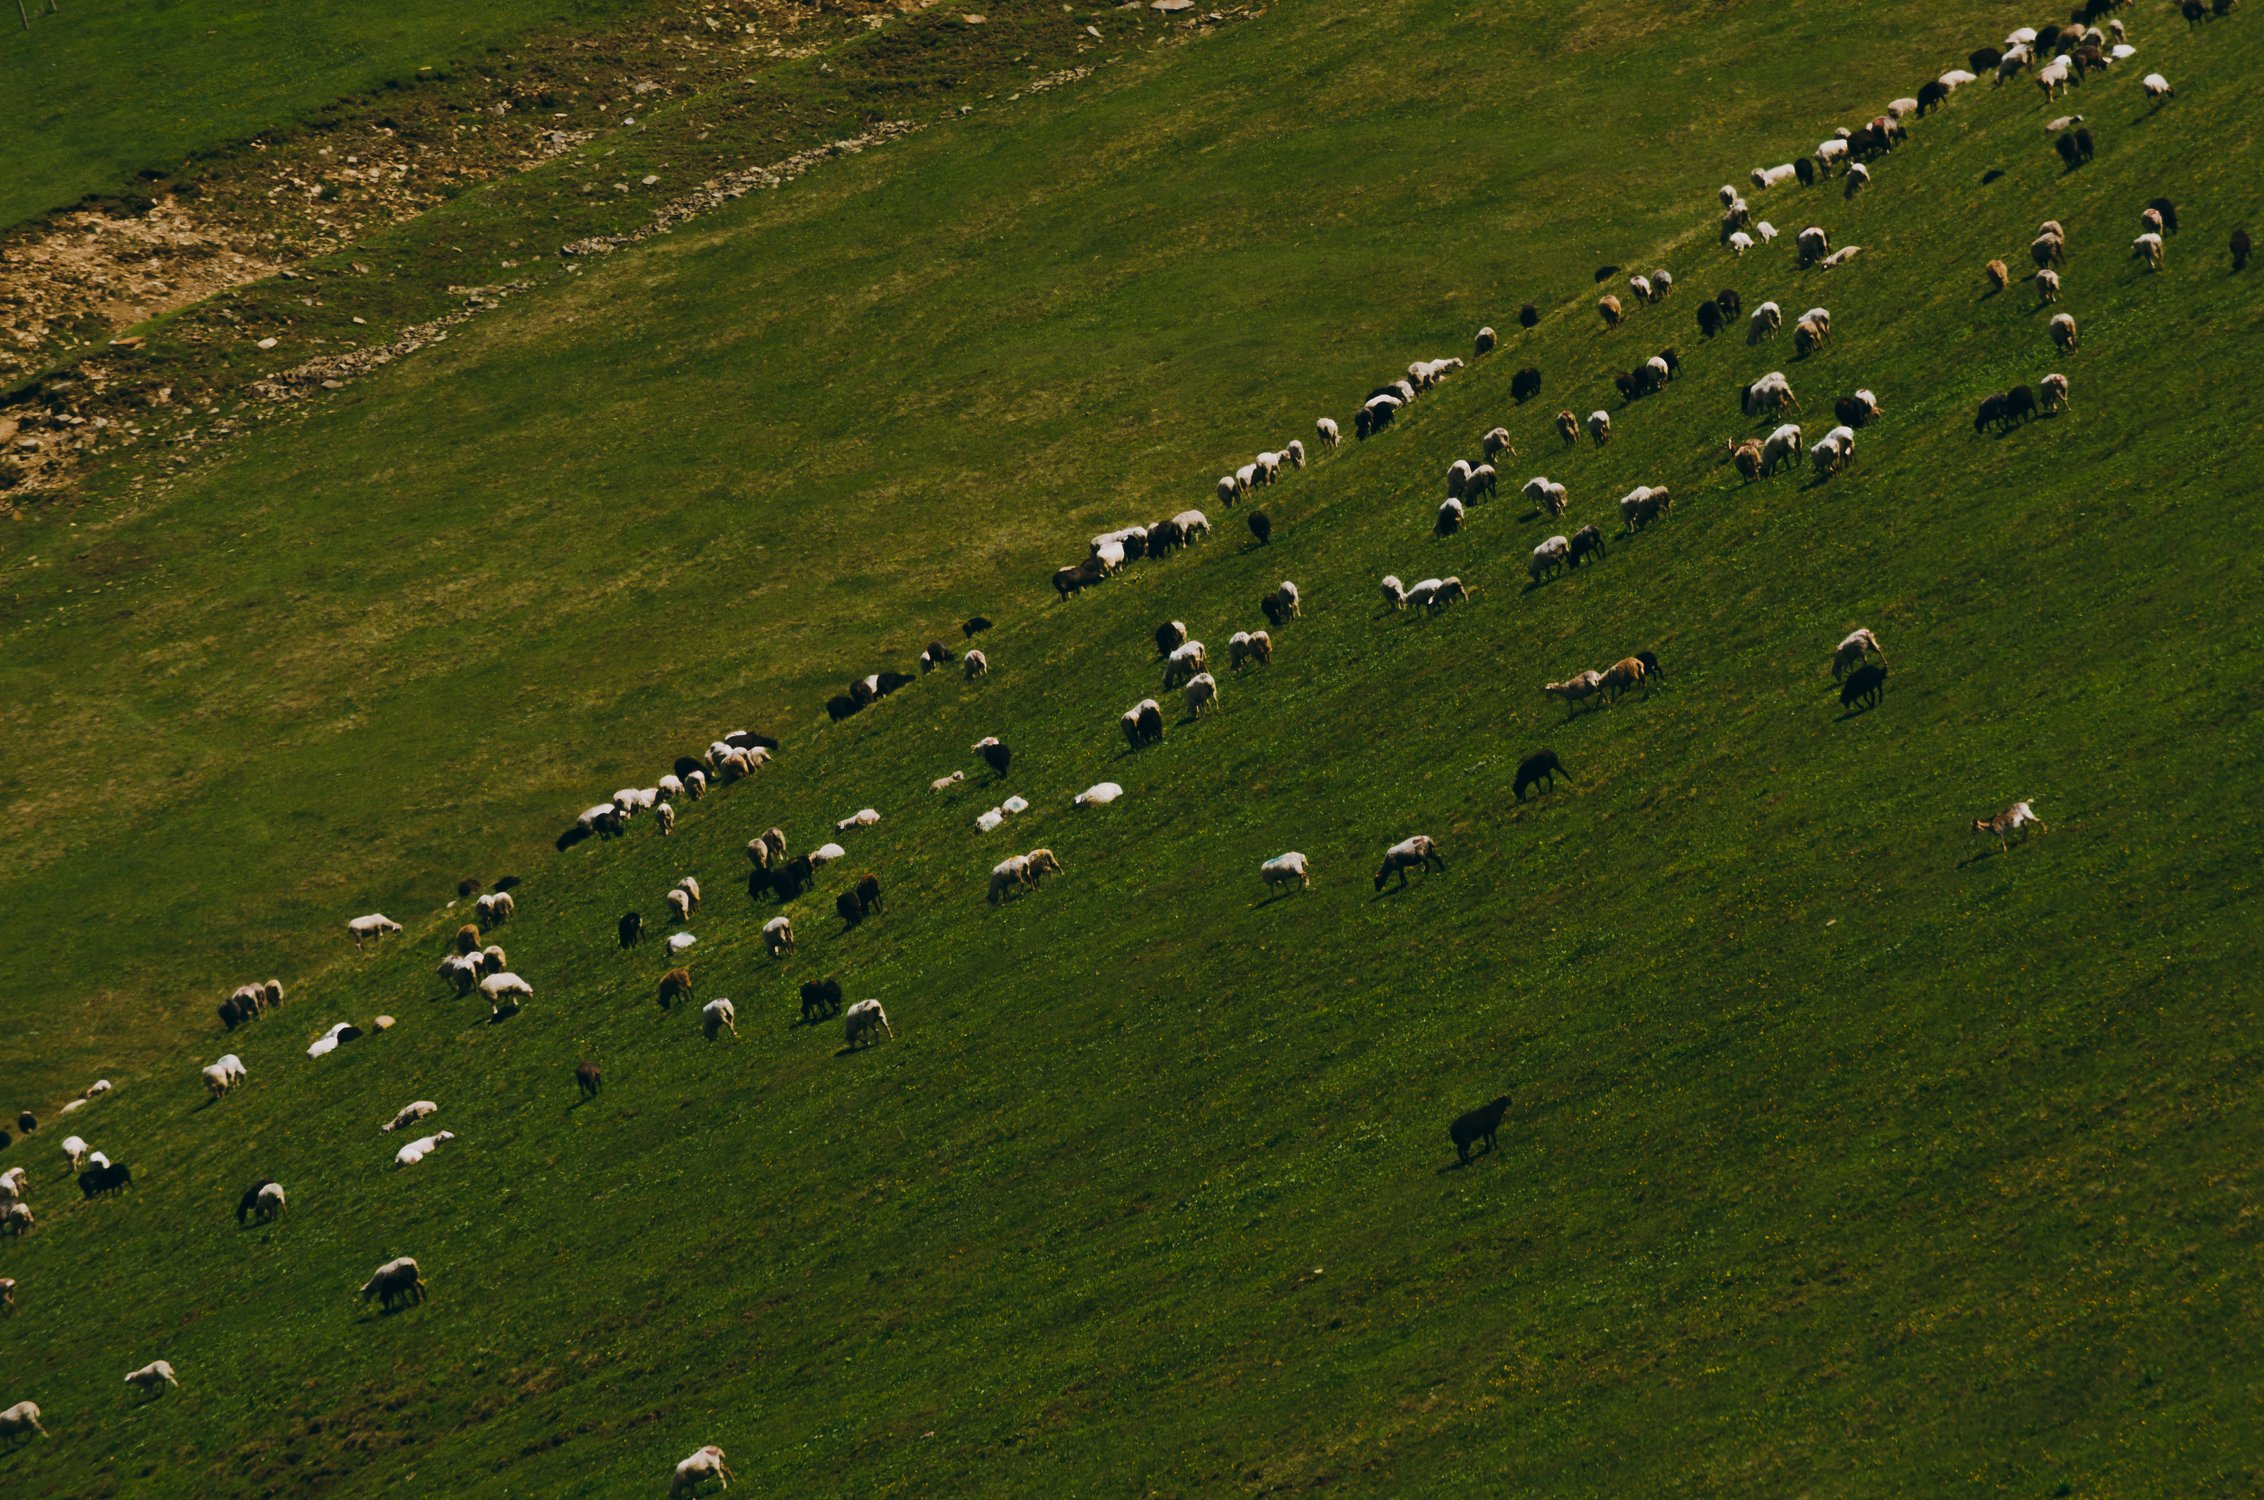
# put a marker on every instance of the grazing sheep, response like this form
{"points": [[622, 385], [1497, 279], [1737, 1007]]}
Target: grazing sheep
{"points": [[2047, 286], [1599, 427], [1008, 875], [1627, 672], [665, 817], [374, 926], [1249, 647], [1528, 316], [1782, 447], [1282, 869], [1858, 410], [249, 1202], [21, 1420], [1483, 345], [1482, 484], [1261, 527], [1766, 319], [1607, 306], [1201, 694], [1284, 603], [2148, 248], [704, 1465], [1477, 1125], [1931, 94], [1865, 686], [1143, 723], [1858, 178], [1494, 442], [2012, 820], [1851, 652], [1394, 592], [1568, 427], [1414, 853], [1809, 336], [679, 907], [1540, 766], [1042, 862], [1192, 524], [1746, 456], [675, 984], [269, 1203], [778, 936], [1739, 242], [863, 1023], [496, 909], [2052, 392], [1574, 689], [1548, 558], [820, 998], [396, 1281], [1587, 542], [76, 1148], [8, 1296], [2063, 333], [718, 1016], [505, 994], [422, 1147], [1545, 495], [18, 1221], [2157, 88], [1183, 663], [1813, 244], [1326, 430], [1449, 519], [2048, 250], [1099, 794], [1832, 452], [1769, 177], [1709, 320], [1999, 277]]}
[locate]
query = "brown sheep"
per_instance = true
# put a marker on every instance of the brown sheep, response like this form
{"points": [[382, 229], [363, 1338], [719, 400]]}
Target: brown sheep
{"points": [[675, 984], [1747, 457], [468, 938], [1623, 674], [1608, 306], [587, 1079], [1568, 428]]}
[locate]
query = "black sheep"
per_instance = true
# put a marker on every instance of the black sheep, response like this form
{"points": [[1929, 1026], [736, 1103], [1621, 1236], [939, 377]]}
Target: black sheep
{"points": [[685, 766], [997, 757], [1170, 636], [1484, 344], [1650, 661], [974, 627], [1274, 609], [1709, 320], [747, 739], [1984, 59], [2241, 248], [1992, 410], [1164, 537], [250, 1200], [820, 998], [2020, 405], [1729, 302], [850, 909], [27, 1122], [2194, 12], [1528, 316], [1804, 168], [889, 682], [1261, 528], [1525, 385], [790, 879], [864, 693], [1478, 1125], [935, 656], [1541, 765], [231, 1014], [103, 1181], [6, 1140], [1864, 685], [467, 887], [1930, 95], [588, 1079], [2083, 146], [2071, 155], [840, 706], [1586, 541], [868, 891], [632, 927]]}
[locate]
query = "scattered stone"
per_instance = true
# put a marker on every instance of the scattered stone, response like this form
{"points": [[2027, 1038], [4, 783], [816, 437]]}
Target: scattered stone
{"points": [[269, 343]]}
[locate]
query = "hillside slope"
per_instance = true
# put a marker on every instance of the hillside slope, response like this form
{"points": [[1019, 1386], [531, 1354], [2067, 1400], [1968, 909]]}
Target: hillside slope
{"points": [[1847, 1155]]}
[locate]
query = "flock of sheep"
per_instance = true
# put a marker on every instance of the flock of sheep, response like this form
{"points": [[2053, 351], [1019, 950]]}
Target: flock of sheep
{"points": [[1858, 663]]}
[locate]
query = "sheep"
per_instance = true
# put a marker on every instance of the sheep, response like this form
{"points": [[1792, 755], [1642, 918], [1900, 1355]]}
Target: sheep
{"points": [[696, 783], [1449, 519], [2242, 248], [1248, 648], [1852, 651], [1782, 447], [664, 816], [1374, 416], [1540, 766], [1573, 690], [1956, 78], [1229, 489], [1865, 685], [1528, 316], [1607, 307], [1548, 558], [1809, 336], [1543, 495], [778, 936], [1412, 853], [706, 1464], [2010, 64], [422, 1147], [462, 971], [2063, 333], [1282, 869], [1832, 452], [1746, 455], [2048, 249], [717, 1016], [1588, 541], [2012, 820], [374, 926], [1766, 319], [505, 993], [2055, 76], [1143, 723], [862, 1021], [1738, 241], [1627, 672], [1192, 524], [1858, 178], [1642, 505], [1477, 1125], [1931, 94], [20, 1420], [13, 1183], [1769, 177], [1326, 430], [249, 1202], [1435, 594], [396, 1281], [1483, 482], [1261, 527], [673, 984], [1709, 320], [18, 1221], [1727, 194], [1641, 287], [1813, 244], [1201, 694], [1903, 108], [75, 1147], [1183, 663], [269, 1203], [2157, 88], [1858, 410], [2047, 286], [1599, 427], [2148, 247], [1494, 442], [1283, 604], [1099, 794], [679, 907], [2052, 392]]}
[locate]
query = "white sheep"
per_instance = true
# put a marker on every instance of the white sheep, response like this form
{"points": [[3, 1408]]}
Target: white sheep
{"points": [[2055, 76], [825, 854], [422, 1147], [942, 783], [1099, 794], [2047, 284], [409, 1114], [718, 1016], [706, 1464], [18, 1220], [2148, 247], [665, 816], [861, 1021], [988, 822], [679, 941], [1545, 495], [679, 906], [1851, 651], [863, 817], [1831, 452], [1840, 257], [1903, 108], [2052, 392], [1858, 178], [1326, 430], [75, 1149], [1766, 230], [270, 1202], [1457, 475], [2014, 818], [1765, 320], [1551, 556], [1576, 687], [1783, 446], [1282, 869], [778, 936], [1449, 520], [1599, 427], [1229, 489], [1830, 154], [1201, 694], [1769, 177], [671, 787], [2063, 333], [375, 925], [506, 992], [1295, 453], [1739, 242], [1955, 79], [1192, 524], [975, 665], [22, 1418], [2157, 87], [1394, 592]]}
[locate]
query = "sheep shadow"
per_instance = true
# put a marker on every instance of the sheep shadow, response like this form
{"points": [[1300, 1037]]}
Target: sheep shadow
{"points": [[1859, 710], [1282, 894]]}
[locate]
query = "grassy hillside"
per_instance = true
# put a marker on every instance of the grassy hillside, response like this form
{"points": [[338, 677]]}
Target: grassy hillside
{"points": [[100, 89], [1848, 1154]]}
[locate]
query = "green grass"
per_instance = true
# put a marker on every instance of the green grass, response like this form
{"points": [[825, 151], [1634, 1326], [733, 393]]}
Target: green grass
{"points": [[1847, 1156], [102, 89]]}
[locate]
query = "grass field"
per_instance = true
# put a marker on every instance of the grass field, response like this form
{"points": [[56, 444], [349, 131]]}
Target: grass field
{"points": [[1848, 1156], [102, 89]]}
